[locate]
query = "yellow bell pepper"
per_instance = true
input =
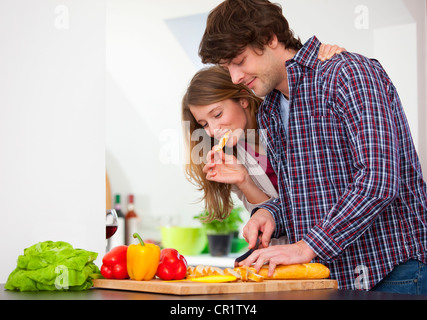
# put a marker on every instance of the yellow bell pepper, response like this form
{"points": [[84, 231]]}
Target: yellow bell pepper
{"points": [[142, 260]]}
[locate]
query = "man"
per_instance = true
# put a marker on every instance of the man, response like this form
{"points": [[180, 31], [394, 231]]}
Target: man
{"points": [[351, 192]]}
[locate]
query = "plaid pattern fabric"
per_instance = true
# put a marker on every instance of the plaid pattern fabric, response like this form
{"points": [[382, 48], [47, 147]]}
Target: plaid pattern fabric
{"points": [[350, 181]]}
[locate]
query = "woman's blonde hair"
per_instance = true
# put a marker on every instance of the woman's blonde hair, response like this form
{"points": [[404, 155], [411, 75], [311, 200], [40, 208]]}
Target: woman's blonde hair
{"points": [[210, 85]]}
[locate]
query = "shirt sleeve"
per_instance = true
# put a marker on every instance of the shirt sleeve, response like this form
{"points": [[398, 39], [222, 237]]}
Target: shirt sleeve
{"points": [[363, 95], [248, 206], [273, 206]]}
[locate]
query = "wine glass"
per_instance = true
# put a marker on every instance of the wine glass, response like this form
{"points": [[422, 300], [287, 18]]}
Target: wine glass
{"points": [[111, 223]]}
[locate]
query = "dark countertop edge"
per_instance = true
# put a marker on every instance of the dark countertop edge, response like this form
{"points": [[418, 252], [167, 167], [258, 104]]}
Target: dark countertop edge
{"points": [[107, 294]]}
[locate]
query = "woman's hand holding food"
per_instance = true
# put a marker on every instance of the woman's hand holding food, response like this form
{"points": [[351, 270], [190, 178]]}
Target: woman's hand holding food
{"points": [[224, 168]]}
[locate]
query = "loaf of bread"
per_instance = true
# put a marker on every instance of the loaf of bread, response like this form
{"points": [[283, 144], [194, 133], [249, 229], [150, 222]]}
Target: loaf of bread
{"points": [[297, 271]]}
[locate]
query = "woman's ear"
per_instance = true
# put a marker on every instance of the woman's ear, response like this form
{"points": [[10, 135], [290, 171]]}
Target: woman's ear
{"points": [[244, 103]]}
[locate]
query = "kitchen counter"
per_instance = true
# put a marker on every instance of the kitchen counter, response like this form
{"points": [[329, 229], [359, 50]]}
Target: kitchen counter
{"points": [[105, 294]]}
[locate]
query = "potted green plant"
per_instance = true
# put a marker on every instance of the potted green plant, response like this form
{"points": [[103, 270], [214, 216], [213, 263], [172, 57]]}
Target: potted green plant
{"points": [[221, 233]]}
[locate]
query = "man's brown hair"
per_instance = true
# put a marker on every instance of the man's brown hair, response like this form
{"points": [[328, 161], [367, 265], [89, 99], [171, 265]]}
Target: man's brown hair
{"points": [[235, 24]]}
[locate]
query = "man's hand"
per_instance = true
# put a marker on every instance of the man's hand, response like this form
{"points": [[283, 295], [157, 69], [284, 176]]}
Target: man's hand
{"points": [[260, 224], [286, 254]]}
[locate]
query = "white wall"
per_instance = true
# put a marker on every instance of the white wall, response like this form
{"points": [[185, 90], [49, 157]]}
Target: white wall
{"points": [[147, 73], [52, 125], [152, 54]]}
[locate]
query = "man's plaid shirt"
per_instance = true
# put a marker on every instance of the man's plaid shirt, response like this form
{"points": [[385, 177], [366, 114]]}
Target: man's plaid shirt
{"points": [[350, 181]]}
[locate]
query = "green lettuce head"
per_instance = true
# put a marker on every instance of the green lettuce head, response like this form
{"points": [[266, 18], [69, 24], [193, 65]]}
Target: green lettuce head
{"points": [[53, 266]]}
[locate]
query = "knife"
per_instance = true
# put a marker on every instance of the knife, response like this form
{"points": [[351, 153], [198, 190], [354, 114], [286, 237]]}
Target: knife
{"points": [[247, 254], [273, 242]]}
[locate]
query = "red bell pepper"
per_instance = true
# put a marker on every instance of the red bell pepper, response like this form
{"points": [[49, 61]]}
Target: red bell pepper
{"points": [[172, 265], [114, 264]]}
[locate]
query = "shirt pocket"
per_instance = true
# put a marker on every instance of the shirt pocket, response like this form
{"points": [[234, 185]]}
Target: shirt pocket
{"points": [[331, 156], [326, 131]]}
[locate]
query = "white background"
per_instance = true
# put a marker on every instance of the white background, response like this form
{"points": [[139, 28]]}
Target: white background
{"points": [[52, 125]]}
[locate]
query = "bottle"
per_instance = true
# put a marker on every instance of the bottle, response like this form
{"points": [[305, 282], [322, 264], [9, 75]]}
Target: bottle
{"points": [[119, 238], [131, 221]]}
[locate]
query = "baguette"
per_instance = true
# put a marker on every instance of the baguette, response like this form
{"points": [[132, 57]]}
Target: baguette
{"points": [[243, 273], [296, 271], [248, 274], [190, 272], [217, 271], [207, 270], [231, 272], [199, 271], [252, 276]]}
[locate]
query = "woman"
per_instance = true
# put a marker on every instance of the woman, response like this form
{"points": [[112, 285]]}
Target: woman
{"points": [[213, 105]]}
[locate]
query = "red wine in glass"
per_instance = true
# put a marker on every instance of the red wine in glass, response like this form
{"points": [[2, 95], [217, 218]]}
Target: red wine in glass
{"points": [[110, 231], [111, 223]]}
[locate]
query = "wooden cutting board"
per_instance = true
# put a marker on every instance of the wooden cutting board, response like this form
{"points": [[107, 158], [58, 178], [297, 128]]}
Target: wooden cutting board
{"points": [[196, 288]]}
